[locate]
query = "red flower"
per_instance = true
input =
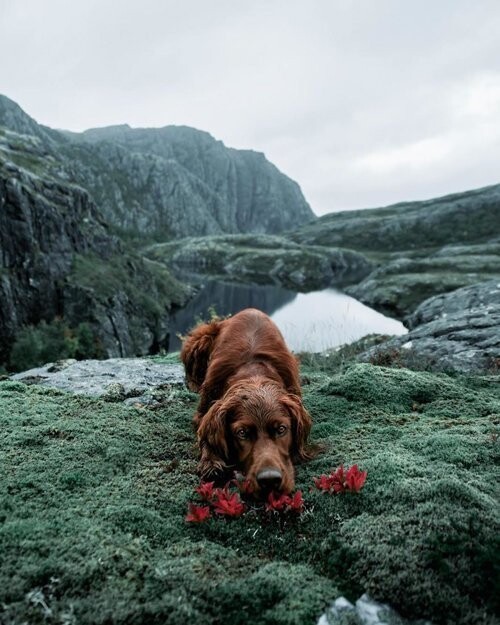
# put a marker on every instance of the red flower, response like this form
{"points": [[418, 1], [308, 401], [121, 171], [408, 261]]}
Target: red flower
{"points": [[206, 490], [323, 482], [197, 514], [277, 502], [228, 504], [297, 502], [285, 503], [355, 479], [243, 485], [340, 481]]}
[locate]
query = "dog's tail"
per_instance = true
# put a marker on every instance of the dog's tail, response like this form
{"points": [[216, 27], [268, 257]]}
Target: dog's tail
{"points": [[196, 350]]}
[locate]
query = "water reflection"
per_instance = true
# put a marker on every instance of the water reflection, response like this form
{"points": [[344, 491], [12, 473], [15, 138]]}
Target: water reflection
{"points": [[320, 320], [309, 321]]}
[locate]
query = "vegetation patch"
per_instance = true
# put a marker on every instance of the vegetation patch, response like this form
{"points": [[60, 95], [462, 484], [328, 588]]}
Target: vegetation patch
{"points": [[94, 494], [148, 285], [48, 342]]}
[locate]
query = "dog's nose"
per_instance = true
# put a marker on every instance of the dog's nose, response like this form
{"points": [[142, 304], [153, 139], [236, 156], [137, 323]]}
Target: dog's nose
{"points": [[269, 479]]}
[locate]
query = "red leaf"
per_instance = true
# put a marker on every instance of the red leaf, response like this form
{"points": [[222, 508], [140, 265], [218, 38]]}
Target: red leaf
{"points": [[277, 502], [228, 504], [338, 479], [297, 502], [206, 490], [197, 514], [323, 482], [355, 479], [285, 503], [243, 485]]}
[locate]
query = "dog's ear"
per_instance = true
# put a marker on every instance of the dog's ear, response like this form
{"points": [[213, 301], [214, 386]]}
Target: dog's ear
{"points": [[196, 350], [212, 432], [301, 427]]}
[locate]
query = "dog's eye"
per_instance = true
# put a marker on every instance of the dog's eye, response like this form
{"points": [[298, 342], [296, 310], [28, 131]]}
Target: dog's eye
{"points": [[281, 429], [242, 433]]}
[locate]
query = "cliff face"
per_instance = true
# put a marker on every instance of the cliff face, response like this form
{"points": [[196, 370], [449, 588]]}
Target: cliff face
{"points": [[58, 259], [177, 181], [169, 182]]}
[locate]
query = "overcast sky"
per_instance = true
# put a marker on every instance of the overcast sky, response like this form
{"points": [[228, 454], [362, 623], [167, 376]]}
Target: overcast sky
{"points": [[363, 102]]}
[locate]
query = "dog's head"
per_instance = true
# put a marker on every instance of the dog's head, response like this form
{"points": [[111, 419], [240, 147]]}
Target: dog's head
{"points": [[258, 429]]}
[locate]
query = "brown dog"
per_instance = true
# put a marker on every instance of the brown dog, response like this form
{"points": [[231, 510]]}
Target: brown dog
{"points": [[250, 416]]}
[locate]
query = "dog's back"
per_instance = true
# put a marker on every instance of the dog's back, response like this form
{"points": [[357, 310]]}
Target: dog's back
{"points": [[215, 352]]}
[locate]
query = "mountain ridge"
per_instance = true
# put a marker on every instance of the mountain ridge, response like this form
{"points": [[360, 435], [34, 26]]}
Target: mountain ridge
{"points": [[144, 179]]}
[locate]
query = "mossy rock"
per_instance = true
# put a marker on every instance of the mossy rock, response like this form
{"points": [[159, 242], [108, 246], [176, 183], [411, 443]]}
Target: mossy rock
{"points": [[93, 497]]}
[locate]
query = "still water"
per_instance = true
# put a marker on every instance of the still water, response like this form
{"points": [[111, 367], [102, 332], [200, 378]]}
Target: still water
{"points": [[309, 321]]}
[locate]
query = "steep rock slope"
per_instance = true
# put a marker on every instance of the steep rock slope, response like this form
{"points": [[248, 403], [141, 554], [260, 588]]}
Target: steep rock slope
{"points": [[59, 260], [170, 182]]}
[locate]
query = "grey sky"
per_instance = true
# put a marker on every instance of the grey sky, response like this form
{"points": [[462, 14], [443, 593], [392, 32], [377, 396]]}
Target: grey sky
{"points": [[363, 102]]}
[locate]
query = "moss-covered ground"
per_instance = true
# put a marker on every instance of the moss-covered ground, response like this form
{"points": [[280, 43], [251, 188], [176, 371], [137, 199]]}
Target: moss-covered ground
{"points": [[93, 496]]}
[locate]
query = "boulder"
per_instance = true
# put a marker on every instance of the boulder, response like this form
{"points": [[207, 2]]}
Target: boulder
{"points": [[457, 331]]}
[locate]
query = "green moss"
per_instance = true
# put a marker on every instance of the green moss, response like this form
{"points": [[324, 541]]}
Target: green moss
{"points": [[93, 496]]}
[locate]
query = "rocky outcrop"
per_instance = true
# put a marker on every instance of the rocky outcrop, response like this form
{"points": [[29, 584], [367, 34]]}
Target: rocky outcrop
{"points": [[13, 117], [169, 182], [398, 286], [263, 259], [129, 380], [365, 611], [457, 331]]}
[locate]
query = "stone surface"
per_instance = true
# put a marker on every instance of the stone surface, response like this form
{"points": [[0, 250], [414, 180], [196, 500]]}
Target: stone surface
{"points": [[132, 380], [457, 331], [365, 612]]}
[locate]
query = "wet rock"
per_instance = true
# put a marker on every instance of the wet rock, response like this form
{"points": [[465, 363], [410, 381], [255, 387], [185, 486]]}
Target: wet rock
{"points": [[365, 612]]}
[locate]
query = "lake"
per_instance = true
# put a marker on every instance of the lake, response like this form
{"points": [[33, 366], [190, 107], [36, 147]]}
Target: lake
{"points": [[309, 322]]}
